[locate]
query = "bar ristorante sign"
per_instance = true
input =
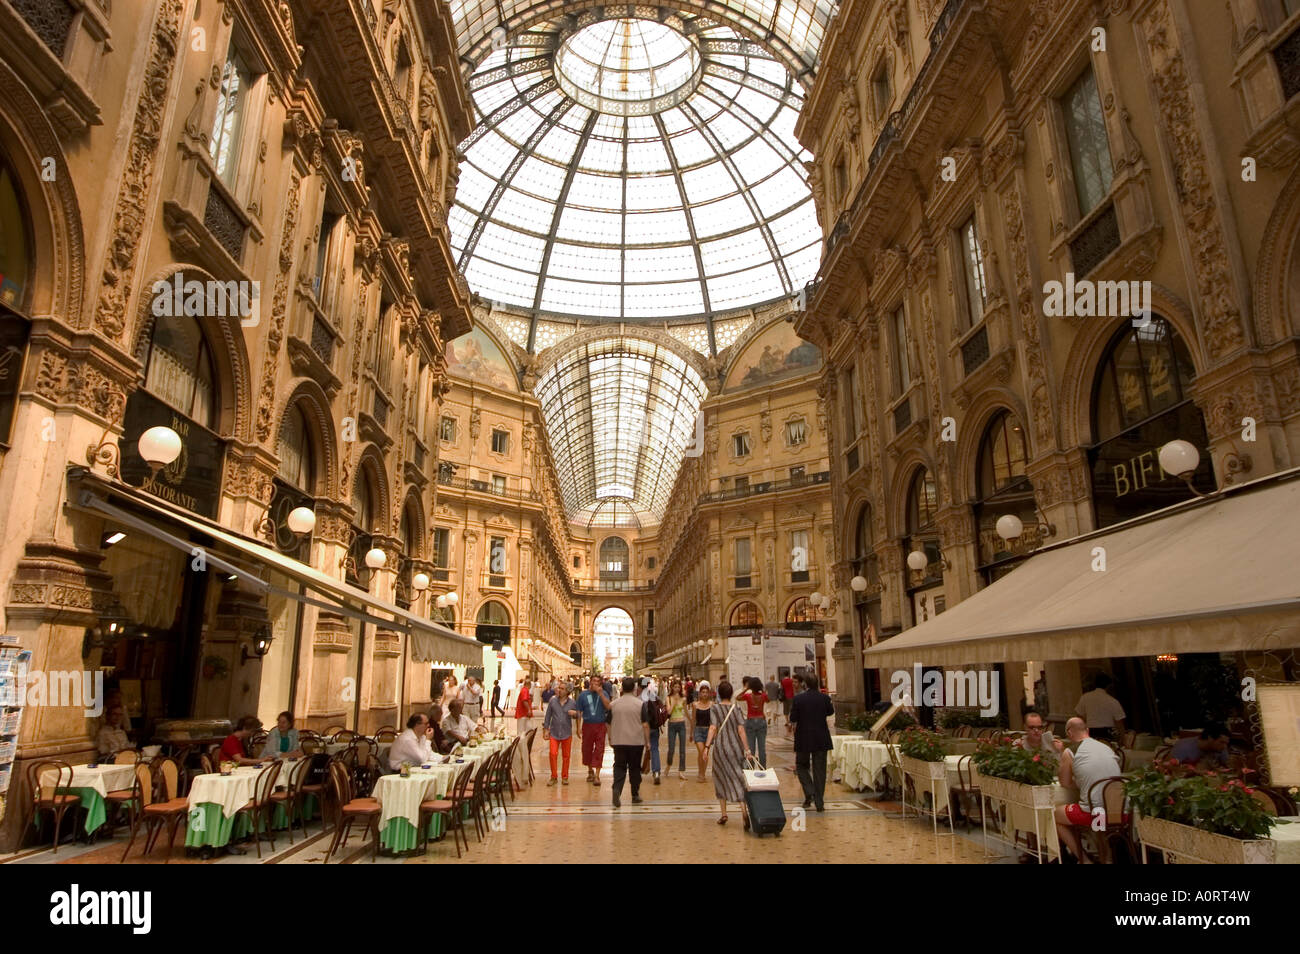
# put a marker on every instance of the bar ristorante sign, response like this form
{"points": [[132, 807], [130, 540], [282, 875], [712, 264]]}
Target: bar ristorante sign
{"points": [[193, 480]]}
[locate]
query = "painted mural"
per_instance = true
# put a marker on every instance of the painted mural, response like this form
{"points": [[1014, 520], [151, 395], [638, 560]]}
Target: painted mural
{"points": [[477, 357], [777, 352]]}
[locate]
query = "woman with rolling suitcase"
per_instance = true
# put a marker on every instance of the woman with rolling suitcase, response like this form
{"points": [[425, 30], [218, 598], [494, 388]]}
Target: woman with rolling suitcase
{"points": [[727, 748]]}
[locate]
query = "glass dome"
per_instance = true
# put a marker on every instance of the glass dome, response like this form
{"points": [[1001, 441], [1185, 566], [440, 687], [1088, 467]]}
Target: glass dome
{"points": [[634, 168]]}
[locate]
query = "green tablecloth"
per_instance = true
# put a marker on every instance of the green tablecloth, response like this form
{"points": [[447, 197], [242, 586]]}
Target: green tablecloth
{"points": [[207, 827], [400, 835]]}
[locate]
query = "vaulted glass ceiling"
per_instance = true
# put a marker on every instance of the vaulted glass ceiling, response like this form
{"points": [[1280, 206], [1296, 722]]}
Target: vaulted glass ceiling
{"points": [[620, 413], [627, 168], [793, 28]]}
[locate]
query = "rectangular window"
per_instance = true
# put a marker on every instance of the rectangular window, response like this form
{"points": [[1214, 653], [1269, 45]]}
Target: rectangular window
{"points": [[577, 562], [902, 351], [1085, 131], [650, 563], [498, 484], [447, 430], [649, 621], [797, 473], [841, 179], [577, 618], [501, 442], [742, 485], [441, 547], [328, 223], [232, 106], [851, 404], [742, 556], [972, 260], [796, 432], [497, 555], [740, 445], [446, 472]]}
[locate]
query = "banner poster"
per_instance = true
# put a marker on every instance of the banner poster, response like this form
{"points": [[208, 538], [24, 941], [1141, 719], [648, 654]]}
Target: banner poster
{"points": [[789, 653], [745, 655]]}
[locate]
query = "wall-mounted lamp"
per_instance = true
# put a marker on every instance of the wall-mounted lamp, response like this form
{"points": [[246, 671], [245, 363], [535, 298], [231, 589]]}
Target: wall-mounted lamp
{"points": [[1009, 527], [918, 560], [261, 646]]}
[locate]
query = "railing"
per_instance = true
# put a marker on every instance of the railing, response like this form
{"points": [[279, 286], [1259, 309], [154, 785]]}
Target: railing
{"points": [[220, 218], [612, 586], [1098, 239], [767, 487], [483, 487], [1287, 57], [975, 350], [50, 19], [322, 341]]}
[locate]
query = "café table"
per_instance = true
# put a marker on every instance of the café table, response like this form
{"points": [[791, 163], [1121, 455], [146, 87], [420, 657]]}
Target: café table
{"points": [[1288, 840], [214, 800], [93, 785], [400, 797], [860, 762]]}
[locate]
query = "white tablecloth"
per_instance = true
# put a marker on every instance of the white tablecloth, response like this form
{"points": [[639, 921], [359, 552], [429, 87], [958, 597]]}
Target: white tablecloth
{"points": [[102, 778], [860, 762], [232, 792], [400, 797], [1288, 841]]}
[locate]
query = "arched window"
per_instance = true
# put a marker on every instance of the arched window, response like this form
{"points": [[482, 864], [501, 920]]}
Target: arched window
{"points": [[179, 370], [1003, 488], [613, 559], [363, 502], [1003, 456], [15, 250], [746, 615], [297, 453], [862, 534], [493, 613], [445, 615], [801, 611], [922, 503], [1141, 401], [1145, 372], [651, 652], [575, 653], [407, 530]]}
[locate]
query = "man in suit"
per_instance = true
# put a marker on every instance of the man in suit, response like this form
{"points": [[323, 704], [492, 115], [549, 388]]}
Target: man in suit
{"points": [[812, 740]]}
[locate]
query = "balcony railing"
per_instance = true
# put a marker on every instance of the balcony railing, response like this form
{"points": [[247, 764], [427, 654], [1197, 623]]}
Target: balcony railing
{"points": [[50, 19], [612, 586], [767, 487], [483, 487]]}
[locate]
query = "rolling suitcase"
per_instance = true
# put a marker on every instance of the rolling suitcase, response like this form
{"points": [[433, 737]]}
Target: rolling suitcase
{"points": [[763, 800]]}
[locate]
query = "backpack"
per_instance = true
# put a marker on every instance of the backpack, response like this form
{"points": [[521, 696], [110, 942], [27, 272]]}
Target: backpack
{"points": [[661, 713]]}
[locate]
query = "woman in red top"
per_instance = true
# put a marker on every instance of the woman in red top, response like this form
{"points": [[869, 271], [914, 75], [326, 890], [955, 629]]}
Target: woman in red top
{"points": [[232, 749], [755, 717], [523, 709]]}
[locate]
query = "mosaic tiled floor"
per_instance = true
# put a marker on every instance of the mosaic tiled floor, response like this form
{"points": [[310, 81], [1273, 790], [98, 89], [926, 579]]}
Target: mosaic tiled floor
{"points": [[676, 822]]}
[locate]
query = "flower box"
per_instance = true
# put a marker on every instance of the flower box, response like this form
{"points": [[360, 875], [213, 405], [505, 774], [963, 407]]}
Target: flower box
{"points": [[930, 771], [1014, 793], [1196, 845]]}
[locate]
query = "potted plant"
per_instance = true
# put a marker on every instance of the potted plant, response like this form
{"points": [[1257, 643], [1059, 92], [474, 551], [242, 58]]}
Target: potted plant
{"points": [[1013, 774], [922, 754], [1208, 816]]}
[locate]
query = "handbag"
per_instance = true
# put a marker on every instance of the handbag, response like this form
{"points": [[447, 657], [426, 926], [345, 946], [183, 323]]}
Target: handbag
{"points": [[759, 779]]}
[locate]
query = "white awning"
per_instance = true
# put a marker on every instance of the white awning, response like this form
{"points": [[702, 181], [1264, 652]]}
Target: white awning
{"points": [[1215, 575], [429, 641]]}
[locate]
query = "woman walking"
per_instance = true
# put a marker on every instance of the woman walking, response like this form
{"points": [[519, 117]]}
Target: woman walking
{"points": [[699, 713], [727, 744], [755, 699], [677, 727]]}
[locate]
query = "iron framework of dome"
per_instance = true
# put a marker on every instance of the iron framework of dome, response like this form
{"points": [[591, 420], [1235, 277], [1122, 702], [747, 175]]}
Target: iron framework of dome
{"points": [[632, 164]]}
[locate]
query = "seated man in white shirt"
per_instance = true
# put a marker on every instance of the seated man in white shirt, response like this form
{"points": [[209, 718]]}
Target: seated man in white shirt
{"points": [[413, 745], [1089, 763], [457, 726]]}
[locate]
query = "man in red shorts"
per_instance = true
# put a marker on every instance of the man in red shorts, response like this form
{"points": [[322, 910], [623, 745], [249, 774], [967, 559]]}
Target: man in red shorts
{"points": [[594, 706]]}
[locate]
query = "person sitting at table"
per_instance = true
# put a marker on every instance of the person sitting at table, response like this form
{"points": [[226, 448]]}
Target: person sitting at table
{"points": [[1036, 740], [232, 749], [457, 726], [441, 744], [414, 745], [282, 740], [1090, 762], [112, 735], [1210, 751]]}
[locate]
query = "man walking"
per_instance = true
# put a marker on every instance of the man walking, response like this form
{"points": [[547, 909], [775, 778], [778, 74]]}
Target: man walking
{"points": [[808, 713], [496, 701], [787, 696], [557, 727], [629, 733], [774, 695], [650, 705], [593, 707]]}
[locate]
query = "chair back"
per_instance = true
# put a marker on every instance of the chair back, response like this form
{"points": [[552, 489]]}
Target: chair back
{"points": [[43, 789], [256, 742], [298, 773], [265, 783], [126, 757], [144, 784], [170, 771], [364, 748], [462, 782], [962, 732], [386, 733], [1162, 754], [528, 740], [343, 735], [310, 745], [332, 731], [964, 774], [485, 770], [1109, 794], [1264, 798], [341, 781], [214, 755]]}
